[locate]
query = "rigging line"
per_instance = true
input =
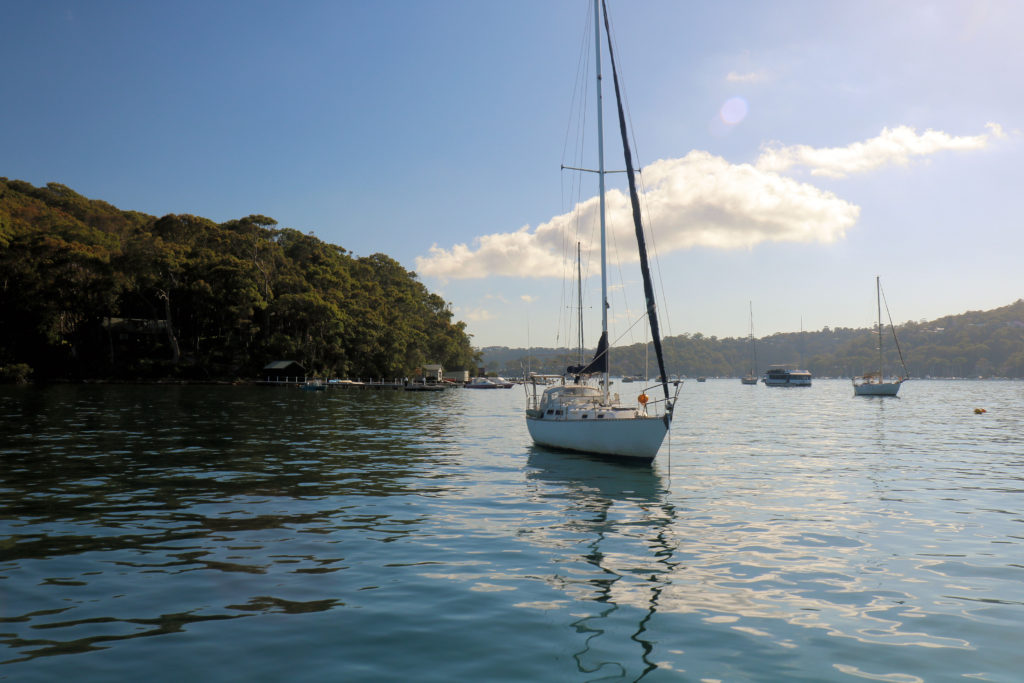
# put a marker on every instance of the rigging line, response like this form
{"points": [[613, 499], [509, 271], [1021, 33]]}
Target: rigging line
{"points": [[615, 244], [638, 223], [657, 259], [580, 91], [622, 280], [649, 225], [616, 341], [575, 201], [893, 328], [632, 325], [578, 227], [581, 83], [648, 228], [649, 231]]}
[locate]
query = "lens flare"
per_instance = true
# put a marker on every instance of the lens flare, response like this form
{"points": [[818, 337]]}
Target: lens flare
{"points": [[733, 111]]}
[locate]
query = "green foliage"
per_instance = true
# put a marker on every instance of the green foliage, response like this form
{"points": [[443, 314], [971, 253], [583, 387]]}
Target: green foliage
{"points": [[973, 344], [88, 290], [16, 373]]}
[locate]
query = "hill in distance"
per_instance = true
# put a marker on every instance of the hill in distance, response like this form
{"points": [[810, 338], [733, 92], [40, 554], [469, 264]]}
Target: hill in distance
{"points": [[972, 344]]}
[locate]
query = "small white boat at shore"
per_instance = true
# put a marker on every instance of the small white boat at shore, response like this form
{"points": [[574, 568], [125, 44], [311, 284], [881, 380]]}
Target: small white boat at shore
{"points": [[488, 383]]}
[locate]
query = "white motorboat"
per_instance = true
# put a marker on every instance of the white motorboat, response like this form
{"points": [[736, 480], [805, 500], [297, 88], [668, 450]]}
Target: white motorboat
{"points": [[781, 376], [488, 383]]}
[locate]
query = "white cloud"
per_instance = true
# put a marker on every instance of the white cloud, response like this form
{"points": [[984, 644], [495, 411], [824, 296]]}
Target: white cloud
{"points": [[699, 200], [507, 253], [476, 315], [892, 146], [748, 77], [704, 201], [528, 298]]}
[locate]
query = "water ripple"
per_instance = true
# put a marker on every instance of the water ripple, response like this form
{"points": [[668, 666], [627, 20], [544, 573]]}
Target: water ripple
{"points": [[788, 535]]}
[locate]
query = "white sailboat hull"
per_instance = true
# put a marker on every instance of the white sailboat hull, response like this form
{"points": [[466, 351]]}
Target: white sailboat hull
{"points": [[634, 439], [873, 383], [586, 418], [876, 388]]}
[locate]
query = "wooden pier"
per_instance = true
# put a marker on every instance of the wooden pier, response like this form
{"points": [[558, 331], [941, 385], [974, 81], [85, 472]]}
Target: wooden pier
{"points": [[367, 385]]}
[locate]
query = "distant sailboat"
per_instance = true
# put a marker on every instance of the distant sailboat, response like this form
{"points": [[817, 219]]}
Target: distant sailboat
{"points": [[751, 377], [583, 417], [874, 383]]}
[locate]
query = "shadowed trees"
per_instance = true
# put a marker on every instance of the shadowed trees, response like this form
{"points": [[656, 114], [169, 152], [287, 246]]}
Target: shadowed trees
{"points": [[89, 290]]}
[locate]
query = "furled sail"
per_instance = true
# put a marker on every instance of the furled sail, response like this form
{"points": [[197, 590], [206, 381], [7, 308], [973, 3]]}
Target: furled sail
{"points": [[598, 364]]}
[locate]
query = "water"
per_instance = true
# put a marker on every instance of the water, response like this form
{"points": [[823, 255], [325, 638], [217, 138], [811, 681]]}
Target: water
{"points": [[249, 533]]}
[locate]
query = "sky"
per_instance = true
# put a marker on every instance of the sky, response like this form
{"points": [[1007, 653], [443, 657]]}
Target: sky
{"points": [[791, 151]]}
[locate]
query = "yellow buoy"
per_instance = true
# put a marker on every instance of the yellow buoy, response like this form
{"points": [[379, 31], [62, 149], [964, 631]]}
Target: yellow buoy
{"points": [[979, 411], [642, 398]]}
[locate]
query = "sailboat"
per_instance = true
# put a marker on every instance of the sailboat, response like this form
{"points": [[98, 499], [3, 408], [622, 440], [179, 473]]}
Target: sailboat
{"points": [[874, 383], [579, 416], [751, 377]]}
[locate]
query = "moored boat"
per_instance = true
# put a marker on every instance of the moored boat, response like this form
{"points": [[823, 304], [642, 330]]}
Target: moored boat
{"points": [[751, 376], [488, 383], [586, 417], [872, 384], [781, 376], [875, 383]]}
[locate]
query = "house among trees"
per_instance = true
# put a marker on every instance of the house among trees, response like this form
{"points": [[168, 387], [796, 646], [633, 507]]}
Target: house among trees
{"points": [[433, 373], [284, 371], [457, 375]]}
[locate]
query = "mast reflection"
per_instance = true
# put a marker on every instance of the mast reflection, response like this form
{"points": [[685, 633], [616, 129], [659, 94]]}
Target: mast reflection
{"points": [[625, 515]]}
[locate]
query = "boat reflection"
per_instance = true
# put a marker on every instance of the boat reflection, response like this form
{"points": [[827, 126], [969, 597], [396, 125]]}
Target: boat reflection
{"points": [[622, 516]]}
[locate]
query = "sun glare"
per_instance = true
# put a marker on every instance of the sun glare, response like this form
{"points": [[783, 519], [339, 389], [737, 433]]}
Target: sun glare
{"points": [[733, 111]]}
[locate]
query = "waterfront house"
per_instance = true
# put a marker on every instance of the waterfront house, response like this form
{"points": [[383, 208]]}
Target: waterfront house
{"points": [[284, 371], [433, 373]]}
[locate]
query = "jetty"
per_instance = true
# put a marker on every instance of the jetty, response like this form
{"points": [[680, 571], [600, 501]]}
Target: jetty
{"points": [[364, 385]]}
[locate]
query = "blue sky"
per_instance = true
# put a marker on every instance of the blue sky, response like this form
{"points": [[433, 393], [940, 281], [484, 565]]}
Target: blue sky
{"points": [[792, 150]]}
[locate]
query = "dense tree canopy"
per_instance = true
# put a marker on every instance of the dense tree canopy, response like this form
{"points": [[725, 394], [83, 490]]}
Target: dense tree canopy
{"points": [[88, 290]]}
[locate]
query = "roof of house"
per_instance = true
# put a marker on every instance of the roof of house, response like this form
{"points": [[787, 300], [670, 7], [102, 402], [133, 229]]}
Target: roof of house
{"points": [[281, 365]]}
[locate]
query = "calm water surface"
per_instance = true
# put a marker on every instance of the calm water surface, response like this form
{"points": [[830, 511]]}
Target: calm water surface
{"points": [[249, 533]]}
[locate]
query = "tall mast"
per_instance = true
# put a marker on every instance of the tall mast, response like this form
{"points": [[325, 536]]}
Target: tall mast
{"points": [[579, 303], [753, 351], [878, 297], [634, 200], [600, 192]]}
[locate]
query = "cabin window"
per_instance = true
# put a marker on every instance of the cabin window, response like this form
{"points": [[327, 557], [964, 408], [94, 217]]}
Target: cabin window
{"points": [[584, 416], [550, 411], [601, 415], [558, 412]]}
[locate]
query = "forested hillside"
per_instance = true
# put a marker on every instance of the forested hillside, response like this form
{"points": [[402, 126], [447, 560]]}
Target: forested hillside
{"points": [[90, 291], [973, 344]]}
